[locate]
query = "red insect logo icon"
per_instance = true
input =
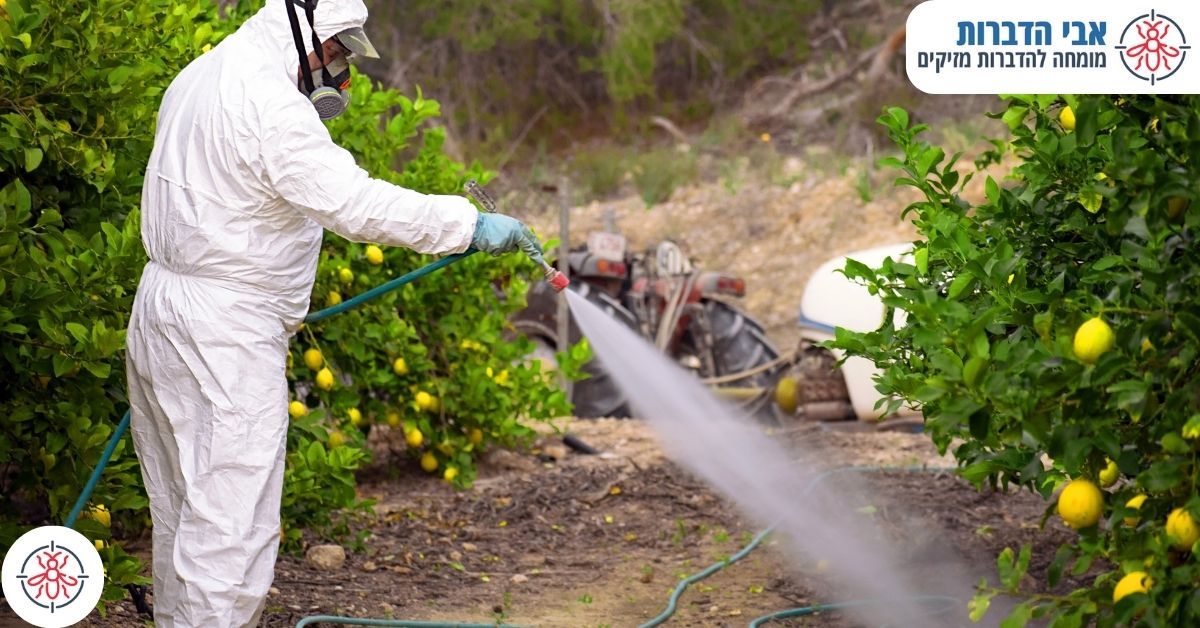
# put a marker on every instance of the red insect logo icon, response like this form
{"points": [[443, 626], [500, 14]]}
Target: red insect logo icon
{"points": [[52, 584], [52, 576], [1153, 52], [1153, 47]]}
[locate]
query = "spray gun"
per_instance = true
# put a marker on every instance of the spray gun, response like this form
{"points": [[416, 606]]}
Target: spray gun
{"points": [[557, 280]]}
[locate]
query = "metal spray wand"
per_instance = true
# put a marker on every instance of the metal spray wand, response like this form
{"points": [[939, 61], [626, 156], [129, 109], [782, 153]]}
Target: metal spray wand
{"points": [[557, 280]]}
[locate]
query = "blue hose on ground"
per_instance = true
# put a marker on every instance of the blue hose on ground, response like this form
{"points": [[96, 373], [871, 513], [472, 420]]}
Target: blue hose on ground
{"points": [[754, 543], [948, 604], [311, 318]]}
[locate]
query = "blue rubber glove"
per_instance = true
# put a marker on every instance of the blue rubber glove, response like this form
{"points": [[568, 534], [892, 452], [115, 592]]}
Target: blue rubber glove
{"points": [[498, 234]]}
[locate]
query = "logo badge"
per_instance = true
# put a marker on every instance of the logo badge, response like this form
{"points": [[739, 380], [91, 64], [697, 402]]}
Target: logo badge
{"points": [[52, 577], [1153, 47]]}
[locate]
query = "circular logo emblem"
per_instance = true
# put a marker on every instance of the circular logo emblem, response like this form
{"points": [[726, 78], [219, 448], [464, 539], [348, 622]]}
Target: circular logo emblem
{"points": [[1153, 47], [52, 577]]}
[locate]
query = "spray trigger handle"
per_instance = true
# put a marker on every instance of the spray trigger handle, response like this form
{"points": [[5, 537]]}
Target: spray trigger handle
{"points": [[477, 192]]}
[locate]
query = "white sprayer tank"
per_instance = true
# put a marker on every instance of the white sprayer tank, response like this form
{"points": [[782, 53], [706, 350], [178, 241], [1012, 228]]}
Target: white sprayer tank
{"points": [[831, 300]]}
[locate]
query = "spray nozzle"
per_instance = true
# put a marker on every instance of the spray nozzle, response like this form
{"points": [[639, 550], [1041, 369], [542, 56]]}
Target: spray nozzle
{"points": [[557, 280]]}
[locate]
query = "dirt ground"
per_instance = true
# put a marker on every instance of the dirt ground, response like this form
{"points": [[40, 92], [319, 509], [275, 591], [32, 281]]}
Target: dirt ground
{"points": [[555, 538]]}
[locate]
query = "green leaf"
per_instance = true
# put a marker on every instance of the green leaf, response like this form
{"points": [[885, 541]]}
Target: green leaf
{"points": [[1108, 261], [979, 604], [24, 38], [1019, 617], [118, 76], [1163, 476], [961, 284], [100, 369], [33, 159], [202, 35], [1014, 117], [972, 370], [78, 331], [1087, 121], [1005, 568], [991, 190]]}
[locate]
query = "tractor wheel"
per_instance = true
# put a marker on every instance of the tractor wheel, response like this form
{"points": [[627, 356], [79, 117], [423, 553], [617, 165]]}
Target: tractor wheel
{"points": [[739, 344]]}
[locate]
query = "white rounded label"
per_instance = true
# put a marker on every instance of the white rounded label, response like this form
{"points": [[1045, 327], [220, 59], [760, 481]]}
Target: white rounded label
{"points": [[52, 577], [1039, 47]]}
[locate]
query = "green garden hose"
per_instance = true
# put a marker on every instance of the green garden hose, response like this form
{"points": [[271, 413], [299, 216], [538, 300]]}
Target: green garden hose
{"points": [[754, 543], [948, 603]]}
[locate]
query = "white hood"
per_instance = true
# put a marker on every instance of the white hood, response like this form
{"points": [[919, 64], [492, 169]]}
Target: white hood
{"points": [[269, 29]]}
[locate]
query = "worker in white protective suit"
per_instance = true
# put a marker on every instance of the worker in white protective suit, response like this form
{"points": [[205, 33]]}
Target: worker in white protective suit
{"points": [[243, 180]]}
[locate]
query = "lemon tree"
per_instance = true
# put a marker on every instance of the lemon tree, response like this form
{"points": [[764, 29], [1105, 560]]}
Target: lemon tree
{"points": [[1052, 337], [80, 82]]}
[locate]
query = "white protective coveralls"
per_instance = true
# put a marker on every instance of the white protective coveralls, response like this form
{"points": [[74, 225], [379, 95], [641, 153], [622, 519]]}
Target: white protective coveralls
{"points": [[242, 180]]}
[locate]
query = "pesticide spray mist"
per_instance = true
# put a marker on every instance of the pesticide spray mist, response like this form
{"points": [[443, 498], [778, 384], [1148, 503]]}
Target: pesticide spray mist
{"points": [[814, 515]]}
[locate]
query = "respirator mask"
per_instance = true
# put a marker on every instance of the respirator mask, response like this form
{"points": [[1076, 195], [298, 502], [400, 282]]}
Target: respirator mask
{"points": [[328, 87]]}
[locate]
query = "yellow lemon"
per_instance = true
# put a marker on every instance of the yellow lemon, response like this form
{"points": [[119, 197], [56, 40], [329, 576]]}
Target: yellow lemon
{"points": [[414, 438], [400, 366], [100, 513], [346, 275], [1110, 473], [1147, 346], [475, 436], [766, 137], [297, 409], [1092, 339], [425, 401], [429, 462], [333, 299], [289, 360], [374, 255], [99, 544], [325, 379], [313, 359], [1135, 503], [449, 474], [336, 439], [393, 418], [501, 378], [1182, 529], [1133, 582], [1080, 504], [786, 396], [1066, 117], [355, 416]]}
